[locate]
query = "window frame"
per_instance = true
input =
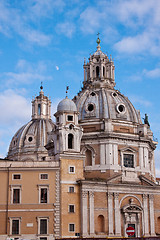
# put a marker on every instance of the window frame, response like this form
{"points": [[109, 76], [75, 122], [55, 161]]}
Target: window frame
{"points": [[69, 225], [71, 208], [40, 175], [130, 161], [129, 151], [69, 168], [11, 225], [40, 188], [39, 226], [14, 187], [71, 187], [69, 115], [14, 174]]}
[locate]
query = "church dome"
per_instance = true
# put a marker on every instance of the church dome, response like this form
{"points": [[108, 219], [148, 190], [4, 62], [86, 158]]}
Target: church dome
{"points": [[66, 105], [29, 141], [98, 98], [105, 104]]}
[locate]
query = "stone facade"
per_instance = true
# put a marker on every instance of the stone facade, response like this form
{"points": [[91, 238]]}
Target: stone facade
{"points": [[90, 174]]}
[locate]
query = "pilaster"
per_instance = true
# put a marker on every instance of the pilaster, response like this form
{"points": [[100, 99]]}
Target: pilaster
{"points": [[91, 212], [84, 213], [117, 215], [110, 214], [151, 216], [145, 214]]}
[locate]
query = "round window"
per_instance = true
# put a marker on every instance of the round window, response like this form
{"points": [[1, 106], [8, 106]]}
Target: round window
{"points": [[121, 108], [30, 139], [114, 94], [90, 107]]}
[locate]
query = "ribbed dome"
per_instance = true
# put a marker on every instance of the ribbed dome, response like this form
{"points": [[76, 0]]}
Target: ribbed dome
{"points": [[29, 141], [105, 104], [66, 105]]}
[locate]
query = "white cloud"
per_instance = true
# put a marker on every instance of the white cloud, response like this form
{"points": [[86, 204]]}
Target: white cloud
{"points": [[15, 108], [16, 20], [26, 73], [139, 100], [152, 73], [134, 44], [66, 28], [90, 19]]}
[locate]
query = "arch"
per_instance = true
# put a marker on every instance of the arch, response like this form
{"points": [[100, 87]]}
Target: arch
{"points": [[39, 109], [88, 157], [97, 72], [70, 141], [100, 224], [130, 195]]}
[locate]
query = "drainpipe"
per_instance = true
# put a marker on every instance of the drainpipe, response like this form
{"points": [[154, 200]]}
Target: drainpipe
{"points": [[7, 199]]}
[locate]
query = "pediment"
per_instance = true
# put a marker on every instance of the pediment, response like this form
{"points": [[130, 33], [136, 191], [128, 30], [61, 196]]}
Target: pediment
{"points": [[115, 178], [146, 181], [128, 149]]}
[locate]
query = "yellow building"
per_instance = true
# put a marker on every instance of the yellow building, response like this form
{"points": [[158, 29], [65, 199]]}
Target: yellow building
{"points": [[89, 174]]}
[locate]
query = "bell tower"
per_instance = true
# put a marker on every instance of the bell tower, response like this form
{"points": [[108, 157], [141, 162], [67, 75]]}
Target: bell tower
{"points": [[67, 134]]}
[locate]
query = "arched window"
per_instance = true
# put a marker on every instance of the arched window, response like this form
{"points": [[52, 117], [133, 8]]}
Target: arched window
{"points": [[103, 71], [88, 157], [97, 72], [100, 224], [70, 141], [39, 109]]}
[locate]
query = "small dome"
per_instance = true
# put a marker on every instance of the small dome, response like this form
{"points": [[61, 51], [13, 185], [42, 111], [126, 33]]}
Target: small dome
{"points": [[67, 105]]}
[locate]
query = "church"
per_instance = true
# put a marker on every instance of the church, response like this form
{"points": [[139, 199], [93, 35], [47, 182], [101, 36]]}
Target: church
{"points": [[89, 174]]}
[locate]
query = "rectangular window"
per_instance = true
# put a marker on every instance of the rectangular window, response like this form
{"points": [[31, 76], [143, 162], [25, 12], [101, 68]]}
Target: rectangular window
{"points": [[71, 208], [16, 195], [71, 169], [43, 226], [15, 226], [71, 189], [71, 227], [128, 160], [70, 118], [43, 238], [16, 176], [44, 176], [43, 195]]}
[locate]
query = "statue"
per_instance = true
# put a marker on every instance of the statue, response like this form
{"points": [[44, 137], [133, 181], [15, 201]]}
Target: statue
{"points": [[146, 120]]}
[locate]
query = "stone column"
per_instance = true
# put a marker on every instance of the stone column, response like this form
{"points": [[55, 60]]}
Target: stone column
{"points": [[91, 212], [151, 216], [110, 214], [117, 215], [145, 209], [84, 214]]}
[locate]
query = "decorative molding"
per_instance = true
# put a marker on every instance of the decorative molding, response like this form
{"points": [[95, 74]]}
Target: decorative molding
{"points": [[84, 194], [91, 194]]}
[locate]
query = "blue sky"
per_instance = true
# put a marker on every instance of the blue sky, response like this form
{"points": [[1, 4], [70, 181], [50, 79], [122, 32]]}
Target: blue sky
{"points": [[47, 40]]}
